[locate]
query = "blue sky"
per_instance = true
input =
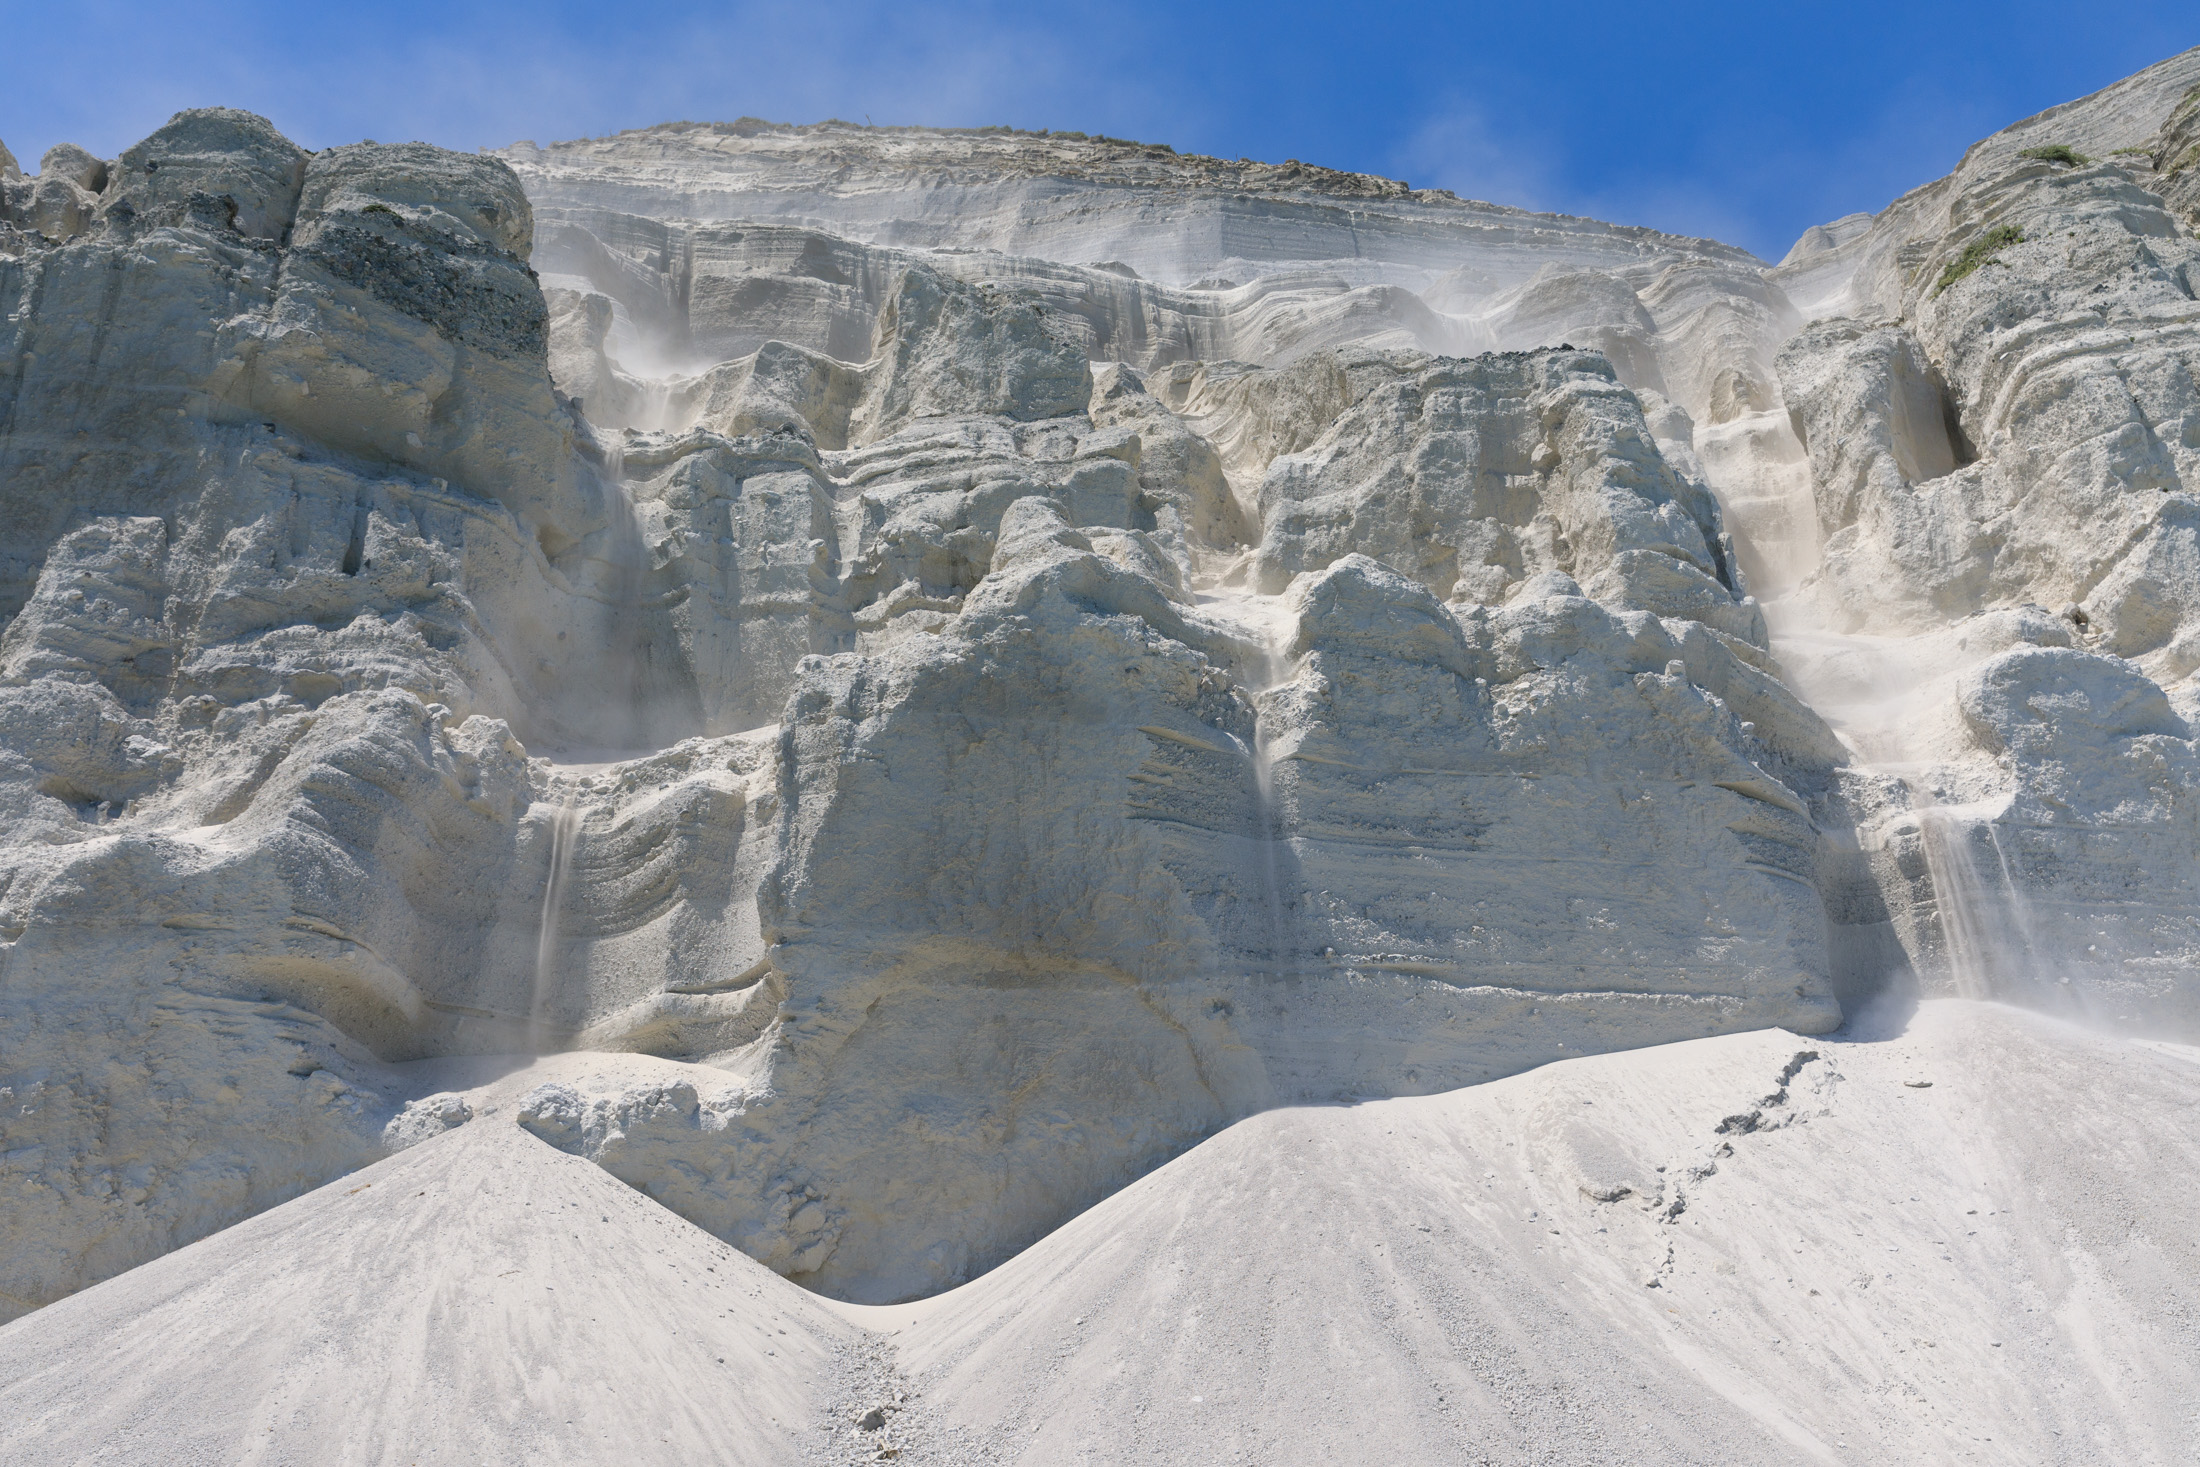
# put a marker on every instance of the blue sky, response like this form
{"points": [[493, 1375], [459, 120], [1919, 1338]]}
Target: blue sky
{"points": [[1745, 122]]}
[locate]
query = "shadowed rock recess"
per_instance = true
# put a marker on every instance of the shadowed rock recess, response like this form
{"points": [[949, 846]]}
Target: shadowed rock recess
{"points": [[990, 656]]}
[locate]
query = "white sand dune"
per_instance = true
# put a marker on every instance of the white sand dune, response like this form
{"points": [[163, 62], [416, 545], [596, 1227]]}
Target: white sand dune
{"points": [[2000, 1265], [479, 1298]]}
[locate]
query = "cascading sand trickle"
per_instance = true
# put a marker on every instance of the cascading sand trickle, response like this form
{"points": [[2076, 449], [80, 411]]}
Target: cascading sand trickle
{"points": [[563, 827], [1269, 834], [1268, 622], [1977, 954]]}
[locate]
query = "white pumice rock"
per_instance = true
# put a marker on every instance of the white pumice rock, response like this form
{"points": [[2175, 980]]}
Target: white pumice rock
{"points": [[67, 160], [943, 347], [214, 166]]}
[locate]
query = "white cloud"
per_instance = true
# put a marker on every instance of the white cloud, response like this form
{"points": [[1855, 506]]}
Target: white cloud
{"points": [[1458, 149], [470, 79]]}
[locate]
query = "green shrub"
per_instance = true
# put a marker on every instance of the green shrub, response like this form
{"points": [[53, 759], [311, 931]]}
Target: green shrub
{"points": [[2057, 154], [381, 209], [1980, 251]]}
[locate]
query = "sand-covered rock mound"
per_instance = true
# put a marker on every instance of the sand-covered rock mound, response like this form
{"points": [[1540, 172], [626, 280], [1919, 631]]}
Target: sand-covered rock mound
{"points": [[1967, 1242]]}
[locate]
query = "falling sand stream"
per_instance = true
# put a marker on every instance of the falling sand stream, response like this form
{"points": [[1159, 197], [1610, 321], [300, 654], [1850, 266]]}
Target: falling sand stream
{"points": [[564, 826], [1269, 623]]}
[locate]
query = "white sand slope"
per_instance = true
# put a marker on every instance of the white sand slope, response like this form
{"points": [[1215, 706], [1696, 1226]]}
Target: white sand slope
{"points": [[481, 1298], [2003, 1267], [2000, 1267]]}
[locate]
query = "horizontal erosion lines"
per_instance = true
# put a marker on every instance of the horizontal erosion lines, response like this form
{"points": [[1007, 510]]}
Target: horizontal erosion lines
{"points": [[1401, 771], [1765, 792], [1175, 736], [1309, 837], [1479, 982], [861, 467], [1240, 829], [1759, 790], [184, 999], [2058, 343], [740, 982]]}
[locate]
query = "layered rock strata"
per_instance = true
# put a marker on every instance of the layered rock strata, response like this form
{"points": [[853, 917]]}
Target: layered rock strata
{"points": [[993, 718]]}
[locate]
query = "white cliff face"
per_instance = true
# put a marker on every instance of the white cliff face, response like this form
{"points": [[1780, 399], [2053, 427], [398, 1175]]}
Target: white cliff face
{"points": [[2004, 441], [1161, 216], [985, 719]]}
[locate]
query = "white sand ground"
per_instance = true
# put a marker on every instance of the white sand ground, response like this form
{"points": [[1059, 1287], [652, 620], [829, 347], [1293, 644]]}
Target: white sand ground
{"points": [[480, 1298], [2002, 1266]]}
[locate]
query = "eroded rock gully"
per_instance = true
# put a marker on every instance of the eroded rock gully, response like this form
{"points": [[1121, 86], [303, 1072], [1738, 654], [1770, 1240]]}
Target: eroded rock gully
{"points": [[969, 722]]}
